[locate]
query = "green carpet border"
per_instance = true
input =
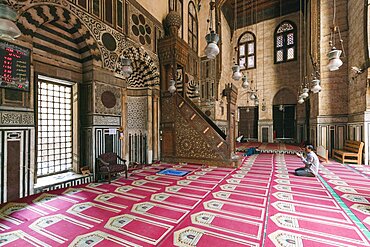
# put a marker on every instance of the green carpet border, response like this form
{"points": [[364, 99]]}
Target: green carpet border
{"points": [[345, 208]]}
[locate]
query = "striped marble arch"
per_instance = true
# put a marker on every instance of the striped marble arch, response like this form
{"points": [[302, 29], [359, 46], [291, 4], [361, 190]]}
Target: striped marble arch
{"points": [[145, 71], [56, 30]]}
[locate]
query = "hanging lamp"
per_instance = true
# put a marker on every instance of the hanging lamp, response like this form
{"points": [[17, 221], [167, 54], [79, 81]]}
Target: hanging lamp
{"points": [[334, 54], [237, 75], [300, 100], [245, 82], [172, 87], [212, 37], [8, 28], [316, 88], [126, 66]]}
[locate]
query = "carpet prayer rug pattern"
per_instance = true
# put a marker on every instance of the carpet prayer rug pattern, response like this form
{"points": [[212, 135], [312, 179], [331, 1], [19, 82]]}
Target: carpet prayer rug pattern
{"points": [[260, 203]]}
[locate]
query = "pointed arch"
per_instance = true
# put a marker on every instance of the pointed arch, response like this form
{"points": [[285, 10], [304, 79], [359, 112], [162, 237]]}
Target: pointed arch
{"points": [[284, 96], [145, 71], [33, 18]]}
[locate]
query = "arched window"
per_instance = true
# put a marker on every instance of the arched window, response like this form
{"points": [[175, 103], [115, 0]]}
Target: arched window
{"points": [[177, 6], [192, 27], [285, 42], [247, 51]]}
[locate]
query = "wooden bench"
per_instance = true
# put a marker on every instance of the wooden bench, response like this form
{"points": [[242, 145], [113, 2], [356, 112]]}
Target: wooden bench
{"points": [[322, 154], [351, 152]]}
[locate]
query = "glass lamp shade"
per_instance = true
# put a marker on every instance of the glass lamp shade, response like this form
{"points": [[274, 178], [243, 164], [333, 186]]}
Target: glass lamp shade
{"points": [[316, 86], [172, 87], [212, 49], [237, 75], [8, 30], [196, 91], [253, 96], [281, 108], [305, 93], [334, 59], [127, 70], [245, 83], [300, 100], [125, 66], [256, 102]]}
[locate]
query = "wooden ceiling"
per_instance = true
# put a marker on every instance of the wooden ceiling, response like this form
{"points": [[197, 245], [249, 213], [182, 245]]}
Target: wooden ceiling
{"points": [[249, 12]]}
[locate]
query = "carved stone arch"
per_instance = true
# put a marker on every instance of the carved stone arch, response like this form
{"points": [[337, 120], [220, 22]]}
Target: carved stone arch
{"points": [[32, 18], [145, 70]]}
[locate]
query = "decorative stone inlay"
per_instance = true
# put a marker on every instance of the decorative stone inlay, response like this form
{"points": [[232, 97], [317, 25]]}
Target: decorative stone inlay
{"points": [[108, 99], [137, 113], [10, 118], [141, 27], [109, 42], [107, 94], [145, 69], [107, 120], [16, 118], [106, 44]]}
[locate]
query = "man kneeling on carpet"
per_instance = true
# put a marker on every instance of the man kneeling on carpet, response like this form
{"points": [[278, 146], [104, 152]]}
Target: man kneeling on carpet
{"points": [[311, 162]]}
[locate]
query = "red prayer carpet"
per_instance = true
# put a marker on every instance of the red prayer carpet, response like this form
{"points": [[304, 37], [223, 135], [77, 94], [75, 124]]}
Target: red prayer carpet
{"points": [[260, 203]]}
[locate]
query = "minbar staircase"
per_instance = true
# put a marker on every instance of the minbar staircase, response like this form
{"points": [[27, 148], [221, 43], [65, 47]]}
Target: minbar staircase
{"points": [[188, 135]]}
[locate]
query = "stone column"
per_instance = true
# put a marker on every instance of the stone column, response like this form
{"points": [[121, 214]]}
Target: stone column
{"points": [[231, 93], [155, 113], [329, 108]]}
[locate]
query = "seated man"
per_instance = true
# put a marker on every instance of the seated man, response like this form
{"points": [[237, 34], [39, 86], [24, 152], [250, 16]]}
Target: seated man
{"points": [[311, 162]]}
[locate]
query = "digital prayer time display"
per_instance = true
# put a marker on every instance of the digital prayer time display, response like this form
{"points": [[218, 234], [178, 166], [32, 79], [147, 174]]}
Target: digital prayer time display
{"points": [[14, 67]]}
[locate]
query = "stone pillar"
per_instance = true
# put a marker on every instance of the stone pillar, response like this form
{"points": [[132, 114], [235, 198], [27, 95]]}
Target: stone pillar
{"points": [[124, 123], [329, 109], [231, 93], [150, 125], [155, 113]]}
